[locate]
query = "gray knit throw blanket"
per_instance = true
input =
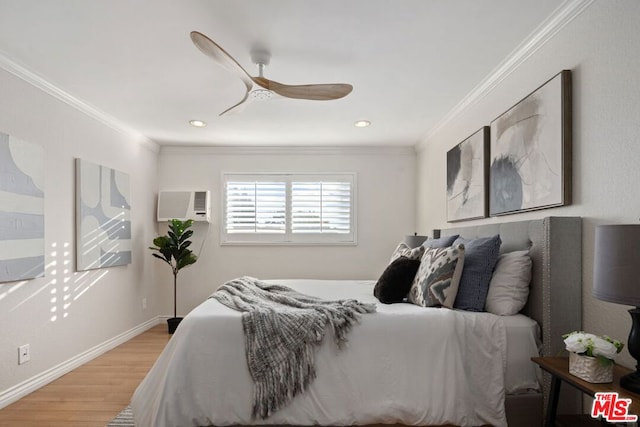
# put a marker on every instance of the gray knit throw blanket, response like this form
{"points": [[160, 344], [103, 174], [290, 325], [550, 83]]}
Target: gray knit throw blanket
{"points": [[282, 328]]}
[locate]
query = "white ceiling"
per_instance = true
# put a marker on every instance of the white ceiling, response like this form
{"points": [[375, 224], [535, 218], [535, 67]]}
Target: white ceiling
{"points": [[410, 62]]}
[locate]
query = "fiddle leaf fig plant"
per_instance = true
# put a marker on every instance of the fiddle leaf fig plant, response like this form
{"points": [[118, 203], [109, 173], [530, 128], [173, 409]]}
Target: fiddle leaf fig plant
{"points": [[173, 248]]}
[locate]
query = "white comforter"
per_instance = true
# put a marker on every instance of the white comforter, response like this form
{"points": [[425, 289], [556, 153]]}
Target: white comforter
{"points": [[404, 364]]}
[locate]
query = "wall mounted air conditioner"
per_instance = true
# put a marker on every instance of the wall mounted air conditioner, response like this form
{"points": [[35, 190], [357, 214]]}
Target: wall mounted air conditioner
{"points": [[195, 205]]}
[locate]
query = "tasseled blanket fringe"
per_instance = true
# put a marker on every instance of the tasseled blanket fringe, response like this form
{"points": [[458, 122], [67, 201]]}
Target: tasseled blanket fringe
{"points": [[282, 329]]}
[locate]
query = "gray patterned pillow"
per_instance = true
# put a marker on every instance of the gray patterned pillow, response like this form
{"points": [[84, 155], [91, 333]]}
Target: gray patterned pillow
{"points": [[436, 283], [403, 250]]}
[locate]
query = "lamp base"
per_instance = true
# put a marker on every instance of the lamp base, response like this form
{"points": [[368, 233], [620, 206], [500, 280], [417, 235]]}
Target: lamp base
{"points": [[631, 382]]}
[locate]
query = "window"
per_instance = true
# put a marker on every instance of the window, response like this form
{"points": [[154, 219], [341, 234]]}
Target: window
{"points": [[255, 207], [321, 207], [289, 209]]}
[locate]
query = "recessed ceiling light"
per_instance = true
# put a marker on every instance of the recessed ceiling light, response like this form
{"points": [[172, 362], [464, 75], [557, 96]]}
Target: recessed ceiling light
{"points": [[197, 123], [362, 123]]}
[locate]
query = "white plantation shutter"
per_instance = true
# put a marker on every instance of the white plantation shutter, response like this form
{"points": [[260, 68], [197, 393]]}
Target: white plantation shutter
{"points": [[289, 209], [320, 207], [255, 207]]}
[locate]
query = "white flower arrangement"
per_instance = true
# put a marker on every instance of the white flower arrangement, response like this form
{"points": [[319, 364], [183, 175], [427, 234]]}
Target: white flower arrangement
{"points": [[602, 348]]}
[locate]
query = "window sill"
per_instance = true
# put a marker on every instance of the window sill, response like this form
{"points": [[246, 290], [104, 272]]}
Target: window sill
{"points": [[355, 243]]}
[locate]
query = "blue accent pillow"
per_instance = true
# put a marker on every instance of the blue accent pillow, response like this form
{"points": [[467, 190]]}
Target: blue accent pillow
{"points": [[442, 242], [480, 258]]}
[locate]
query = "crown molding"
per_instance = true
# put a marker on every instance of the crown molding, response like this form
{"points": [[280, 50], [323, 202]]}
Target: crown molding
{"points": [[293, 150], [562, 16], [41, 83]]}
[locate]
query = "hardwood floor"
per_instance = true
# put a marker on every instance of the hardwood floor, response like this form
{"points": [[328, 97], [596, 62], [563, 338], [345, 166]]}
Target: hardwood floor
{"points": [[94, 393]]}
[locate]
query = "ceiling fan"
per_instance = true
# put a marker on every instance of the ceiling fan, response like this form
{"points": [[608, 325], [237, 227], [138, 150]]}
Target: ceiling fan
{"points": [[260, 87]]}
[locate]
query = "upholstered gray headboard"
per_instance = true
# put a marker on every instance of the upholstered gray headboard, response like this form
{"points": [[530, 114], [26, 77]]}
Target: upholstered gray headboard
{"points": [[555, 299]]}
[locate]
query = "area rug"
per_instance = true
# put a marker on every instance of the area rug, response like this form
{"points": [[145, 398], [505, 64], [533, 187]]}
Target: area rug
{"points": [[124, 419]]}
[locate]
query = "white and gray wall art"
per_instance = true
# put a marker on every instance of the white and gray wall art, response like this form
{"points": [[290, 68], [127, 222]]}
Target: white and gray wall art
{"points": [[21, 209], [103, 221], [531, 151], [467, 177]]}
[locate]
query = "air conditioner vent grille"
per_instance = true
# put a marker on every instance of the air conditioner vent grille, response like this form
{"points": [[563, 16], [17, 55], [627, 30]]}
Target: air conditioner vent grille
{"points": [[200, 201]]}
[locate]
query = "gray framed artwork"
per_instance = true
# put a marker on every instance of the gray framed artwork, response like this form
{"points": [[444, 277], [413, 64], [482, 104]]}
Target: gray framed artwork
{"points": [[21, 209], [103, 217], [467, 178], [531, 151]]}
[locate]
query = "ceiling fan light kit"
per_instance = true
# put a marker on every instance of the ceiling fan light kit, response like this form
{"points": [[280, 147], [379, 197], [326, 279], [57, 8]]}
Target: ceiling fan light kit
{"points": [[261, 94], [259, 87]]}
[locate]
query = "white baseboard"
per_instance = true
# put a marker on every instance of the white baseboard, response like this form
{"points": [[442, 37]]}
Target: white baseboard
{"points": [[18, 391]]}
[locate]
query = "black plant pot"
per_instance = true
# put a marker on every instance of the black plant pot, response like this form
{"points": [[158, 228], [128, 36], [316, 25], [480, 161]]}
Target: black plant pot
{"points": [[172, 323]]}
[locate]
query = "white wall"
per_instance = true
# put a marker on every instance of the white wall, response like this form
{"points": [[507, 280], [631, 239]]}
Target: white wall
{"points": [[385, 213], [65, 313], [600, 46]]}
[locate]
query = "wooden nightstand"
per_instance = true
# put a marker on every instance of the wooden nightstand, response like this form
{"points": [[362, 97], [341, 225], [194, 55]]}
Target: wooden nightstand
{"points": [[558, 367]]}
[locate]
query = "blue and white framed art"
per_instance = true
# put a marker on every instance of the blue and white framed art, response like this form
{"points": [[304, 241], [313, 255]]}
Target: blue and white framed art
{"points": [[531, 151], [103, 217], [21, 209]]}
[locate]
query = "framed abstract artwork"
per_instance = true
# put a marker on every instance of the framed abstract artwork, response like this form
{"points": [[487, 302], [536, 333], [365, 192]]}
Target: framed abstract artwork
{"points": [[103, 221], [467, 177], [531, 151], [21, 209]]}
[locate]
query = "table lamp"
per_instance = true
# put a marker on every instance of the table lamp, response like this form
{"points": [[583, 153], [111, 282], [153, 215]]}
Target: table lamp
{"points": [[414, 241], [616, 278]]}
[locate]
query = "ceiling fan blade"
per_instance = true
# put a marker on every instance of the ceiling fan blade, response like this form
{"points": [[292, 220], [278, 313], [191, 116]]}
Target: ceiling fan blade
{"points": [[320, 92], [239, 106], [213, 50]]}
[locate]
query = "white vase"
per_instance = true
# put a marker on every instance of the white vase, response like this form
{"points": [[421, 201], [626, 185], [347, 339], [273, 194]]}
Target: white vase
{"points": [[590, 369]]}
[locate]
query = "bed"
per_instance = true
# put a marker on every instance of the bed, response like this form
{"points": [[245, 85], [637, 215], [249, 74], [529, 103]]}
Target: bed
{"points": [[201, 377]]}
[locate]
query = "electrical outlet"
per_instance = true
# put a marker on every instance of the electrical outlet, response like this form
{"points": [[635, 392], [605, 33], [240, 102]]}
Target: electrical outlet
{"points": [[24, 354], [144, 303]]}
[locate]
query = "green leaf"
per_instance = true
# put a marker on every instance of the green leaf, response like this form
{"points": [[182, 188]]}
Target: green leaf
{"points": [[186, 235], [604, 361], [161, 241], [162, 258], [186, 260]]}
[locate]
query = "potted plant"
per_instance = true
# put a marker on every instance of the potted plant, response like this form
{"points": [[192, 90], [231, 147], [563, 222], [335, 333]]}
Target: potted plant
{"points": [[591, 356], [173, 249]]}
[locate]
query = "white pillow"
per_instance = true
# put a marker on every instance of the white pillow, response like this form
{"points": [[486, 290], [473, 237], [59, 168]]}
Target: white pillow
{"points": [[509, 287]]}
